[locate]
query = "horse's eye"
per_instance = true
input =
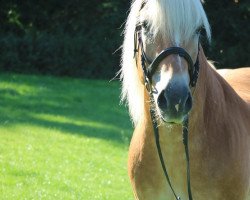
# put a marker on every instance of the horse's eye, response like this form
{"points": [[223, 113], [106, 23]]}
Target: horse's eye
{"points": [[146, 26], [201, 31], [202, 35]]}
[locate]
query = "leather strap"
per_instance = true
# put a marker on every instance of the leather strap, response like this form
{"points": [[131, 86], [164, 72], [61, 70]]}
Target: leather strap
{"points": [[148, 73]]}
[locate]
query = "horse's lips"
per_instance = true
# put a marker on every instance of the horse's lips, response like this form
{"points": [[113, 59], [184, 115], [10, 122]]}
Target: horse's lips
{"points": [[173, 120]]}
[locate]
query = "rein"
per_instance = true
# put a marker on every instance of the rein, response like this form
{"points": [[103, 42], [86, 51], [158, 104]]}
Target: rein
{"points": [[148, 73]]}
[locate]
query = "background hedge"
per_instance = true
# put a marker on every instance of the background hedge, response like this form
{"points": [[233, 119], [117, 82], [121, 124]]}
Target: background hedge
{"points": [[78, 38]]}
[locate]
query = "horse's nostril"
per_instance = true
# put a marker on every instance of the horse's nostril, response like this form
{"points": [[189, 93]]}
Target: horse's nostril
{"points": [[175, 103], [162, 101]]}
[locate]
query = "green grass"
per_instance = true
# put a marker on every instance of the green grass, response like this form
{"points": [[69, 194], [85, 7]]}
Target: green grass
{"points": [[62, 138]]}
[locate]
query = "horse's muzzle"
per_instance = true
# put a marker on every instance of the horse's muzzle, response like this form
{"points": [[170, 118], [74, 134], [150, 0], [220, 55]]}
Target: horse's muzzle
{"points": [[174, 102]]}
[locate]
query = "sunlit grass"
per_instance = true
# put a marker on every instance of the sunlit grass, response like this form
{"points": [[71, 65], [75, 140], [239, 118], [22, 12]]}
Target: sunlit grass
{"points": [[62, 138]]}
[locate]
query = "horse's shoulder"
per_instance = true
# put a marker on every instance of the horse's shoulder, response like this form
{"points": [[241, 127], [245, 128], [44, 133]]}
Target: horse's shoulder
{"points": [[239, 79]]}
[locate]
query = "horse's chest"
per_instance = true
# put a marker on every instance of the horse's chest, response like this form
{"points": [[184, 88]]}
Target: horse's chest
{"points": [[148, 179], [146, 172]]}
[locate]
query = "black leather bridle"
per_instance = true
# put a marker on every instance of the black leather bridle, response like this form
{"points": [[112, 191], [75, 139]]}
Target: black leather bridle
{"points": [[149, 71], [149, 67]]}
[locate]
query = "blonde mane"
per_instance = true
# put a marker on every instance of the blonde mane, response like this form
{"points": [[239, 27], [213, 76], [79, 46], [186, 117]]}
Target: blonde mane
{"points": [[175, 21]]}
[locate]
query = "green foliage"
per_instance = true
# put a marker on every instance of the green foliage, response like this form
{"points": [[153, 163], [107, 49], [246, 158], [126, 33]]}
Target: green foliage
{"points": [[78, 38], [53, 54], [229, 21], [62, 138], [74, 38]]}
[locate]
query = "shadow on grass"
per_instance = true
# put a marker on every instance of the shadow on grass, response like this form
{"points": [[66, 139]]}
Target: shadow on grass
{"points": [[84, 107]]}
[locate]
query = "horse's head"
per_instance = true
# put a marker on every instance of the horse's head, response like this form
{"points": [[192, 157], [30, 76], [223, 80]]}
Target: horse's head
{"points": [[168, 38], [166, 34]]}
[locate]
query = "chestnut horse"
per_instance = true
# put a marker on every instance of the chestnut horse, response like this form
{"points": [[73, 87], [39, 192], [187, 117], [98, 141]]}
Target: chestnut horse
{"points": [[218, 107]]}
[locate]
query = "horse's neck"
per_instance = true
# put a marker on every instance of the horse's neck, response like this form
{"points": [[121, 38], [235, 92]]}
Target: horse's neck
{"points": [[214, 120]]}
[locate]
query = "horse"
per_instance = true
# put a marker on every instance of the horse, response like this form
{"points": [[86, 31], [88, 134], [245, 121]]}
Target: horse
{"points": [[217, 106]]}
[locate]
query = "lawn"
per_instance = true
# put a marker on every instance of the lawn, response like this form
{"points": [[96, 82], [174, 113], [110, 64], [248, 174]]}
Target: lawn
{"points": [[62, 138]]}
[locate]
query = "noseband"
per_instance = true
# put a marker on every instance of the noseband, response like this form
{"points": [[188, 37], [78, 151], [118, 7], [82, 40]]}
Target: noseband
{"points": [[148, 72]]}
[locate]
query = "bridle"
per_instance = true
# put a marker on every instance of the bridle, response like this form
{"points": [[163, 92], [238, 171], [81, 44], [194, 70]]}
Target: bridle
{"points": [[193, 69], [148, 72]]}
